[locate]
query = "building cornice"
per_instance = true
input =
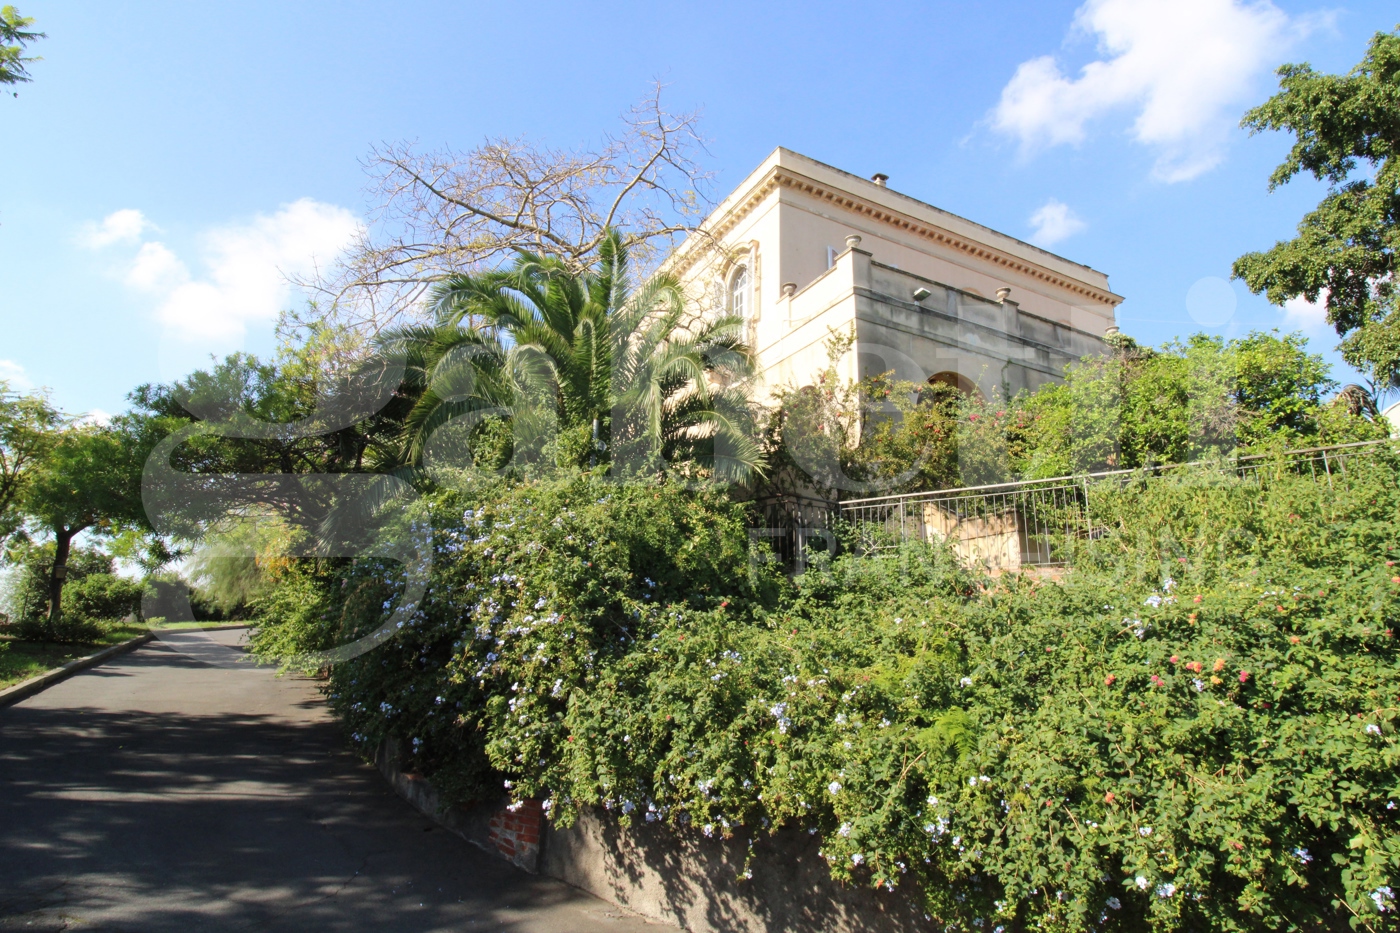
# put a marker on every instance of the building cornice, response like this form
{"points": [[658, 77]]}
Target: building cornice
{"points": [[781, 176]]}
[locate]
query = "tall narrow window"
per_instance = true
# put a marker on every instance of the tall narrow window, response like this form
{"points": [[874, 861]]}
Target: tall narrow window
{"points": [[739, 292]]}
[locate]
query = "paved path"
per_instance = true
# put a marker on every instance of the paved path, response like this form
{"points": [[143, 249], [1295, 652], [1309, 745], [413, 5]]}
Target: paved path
{"points": [[162, 792]]}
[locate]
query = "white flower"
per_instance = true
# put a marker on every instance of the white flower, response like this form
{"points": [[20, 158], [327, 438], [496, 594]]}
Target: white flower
{"points": [[1114, 903], [844, 831], [834, 787], [1372, 729], [857, 859], [1166, 890], [966, 681], [1302, 855], [1383, 897], [1154, 601], [1144, 830], [1141, 882]]}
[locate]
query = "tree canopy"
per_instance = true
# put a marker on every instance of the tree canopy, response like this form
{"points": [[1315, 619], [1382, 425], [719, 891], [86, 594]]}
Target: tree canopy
{"points": [[28, 428], [1347, 130], [14, 36]]}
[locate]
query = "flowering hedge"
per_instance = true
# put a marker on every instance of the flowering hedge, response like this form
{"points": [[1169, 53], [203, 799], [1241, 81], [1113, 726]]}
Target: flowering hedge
{"points": [[1195, 729]]}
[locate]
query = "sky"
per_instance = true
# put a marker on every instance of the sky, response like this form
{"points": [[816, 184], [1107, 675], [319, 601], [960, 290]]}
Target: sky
{"points": [[173, 163]]}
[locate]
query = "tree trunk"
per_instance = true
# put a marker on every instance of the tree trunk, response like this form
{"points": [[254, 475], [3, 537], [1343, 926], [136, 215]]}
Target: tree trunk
{"points": [[63, 541]]}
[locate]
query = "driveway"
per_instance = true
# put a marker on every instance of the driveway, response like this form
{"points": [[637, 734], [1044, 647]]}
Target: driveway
{"points": [[172, 790]]}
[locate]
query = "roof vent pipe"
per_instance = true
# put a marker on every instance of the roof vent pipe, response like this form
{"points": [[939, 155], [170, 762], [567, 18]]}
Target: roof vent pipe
{"points": [[880, 178]]}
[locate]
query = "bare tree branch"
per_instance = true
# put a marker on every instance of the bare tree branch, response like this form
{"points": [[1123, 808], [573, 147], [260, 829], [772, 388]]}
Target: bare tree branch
{"points": [[442, 212]]}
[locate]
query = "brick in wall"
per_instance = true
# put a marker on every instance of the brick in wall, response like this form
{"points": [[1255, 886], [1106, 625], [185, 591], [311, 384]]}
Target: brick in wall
{"points": [[515, 832]]}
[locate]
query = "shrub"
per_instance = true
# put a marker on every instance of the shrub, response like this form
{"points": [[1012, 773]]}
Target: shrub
{"points": [[1195, 729], [93, 594], [102, 597]]}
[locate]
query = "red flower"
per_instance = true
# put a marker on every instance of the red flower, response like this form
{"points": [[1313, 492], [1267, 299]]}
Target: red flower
{"points": [[1173, 659], [1108, 682]]}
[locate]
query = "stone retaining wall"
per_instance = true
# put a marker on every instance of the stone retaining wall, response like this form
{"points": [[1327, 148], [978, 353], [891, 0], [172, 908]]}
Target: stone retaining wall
{"points": [[688, 880]]}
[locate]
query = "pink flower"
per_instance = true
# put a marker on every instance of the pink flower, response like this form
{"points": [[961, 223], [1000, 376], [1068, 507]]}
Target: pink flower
{"points": [[1244, 676]]}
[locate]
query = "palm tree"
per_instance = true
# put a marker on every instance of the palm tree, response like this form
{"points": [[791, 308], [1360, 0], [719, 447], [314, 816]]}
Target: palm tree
{"points": [[580, 361]]}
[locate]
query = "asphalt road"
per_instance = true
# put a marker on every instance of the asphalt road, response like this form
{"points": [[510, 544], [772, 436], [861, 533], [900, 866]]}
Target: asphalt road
{"points": [[169, 789]]}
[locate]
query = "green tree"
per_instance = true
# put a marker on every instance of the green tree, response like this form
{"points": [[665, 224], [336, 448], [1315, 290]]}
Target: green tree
{"points": [[1347, 130], [1185, 400], [14, 35], [28, 428], [90, 480], [628, 377]]}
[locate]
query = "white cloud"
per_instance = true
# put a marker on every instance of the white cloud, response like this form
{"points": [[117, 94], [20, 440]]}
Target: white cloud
{"points": [[14, 374], [245, 271], [1054, 222], [156, 267], [1310, 317], [124, 226], [1186, 67], [96, 416]]}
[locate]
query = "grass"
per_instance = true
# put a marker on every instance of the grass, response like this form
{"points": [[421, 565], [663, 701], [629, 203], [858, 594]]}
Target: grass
{"points": [[21, 660]]}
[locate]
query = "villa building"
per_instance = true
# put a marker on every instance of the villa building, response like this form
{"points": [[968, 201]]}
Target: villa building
{"points": [[801, 248]]}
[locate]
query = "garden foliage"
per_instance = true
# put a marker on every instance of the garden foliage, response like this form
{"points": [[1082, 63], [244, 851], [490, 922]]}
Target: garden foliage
{"points": [[1194, 729], [1135, 407], [95, 596]]}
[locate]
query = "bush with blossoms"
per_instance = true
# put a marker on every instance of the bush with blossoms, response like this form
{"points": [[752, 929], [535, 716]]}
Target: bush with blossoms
{"points": [[1193, 729]]}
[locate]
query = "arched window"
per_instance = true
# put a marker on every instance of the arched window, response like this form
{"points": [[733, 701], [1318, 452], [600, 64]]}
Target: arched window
{"points": [[739, 292], [956, 381]]}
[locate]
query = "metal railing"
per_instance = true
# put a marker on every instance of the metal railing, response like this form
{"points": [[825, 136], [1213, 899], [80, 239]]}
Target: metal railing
{"points": [[794, 526], [1035, 523]]}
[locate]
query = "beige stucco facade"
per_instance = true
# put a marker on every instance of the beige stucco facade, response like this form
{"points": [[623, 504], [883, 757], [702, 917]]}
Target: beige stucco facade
{"points": [[802, 249]]}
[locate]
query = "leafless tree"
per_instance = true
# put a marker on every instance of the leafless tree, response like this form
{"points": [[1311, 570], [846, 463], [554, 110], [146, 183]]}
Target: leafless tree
{"points": [[447, 211]]}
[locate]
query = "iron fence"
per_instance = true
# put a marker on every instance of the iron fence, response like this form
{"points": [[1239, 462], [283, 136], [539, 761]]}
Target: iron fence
{"points": [[1036, 523]]}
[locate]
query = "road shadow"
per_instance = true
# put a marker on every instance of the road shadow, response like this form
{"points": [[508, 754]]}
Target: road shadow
{"points": [[134, 820]]}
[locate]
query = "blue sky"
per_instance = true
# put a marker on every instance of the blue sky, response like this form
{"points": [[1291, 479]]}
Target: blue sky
{"points": [[180, 154]]}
